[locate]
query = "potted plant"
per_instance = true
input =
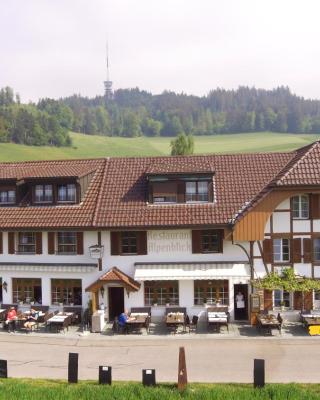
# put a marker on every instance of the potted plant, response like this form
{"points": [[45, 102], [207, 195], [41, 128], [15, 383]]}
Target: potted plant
{"points": [[60, 303], [167, 301], [204, 301], [20, 302], [32, 302], [155, 301], [282, 304]]}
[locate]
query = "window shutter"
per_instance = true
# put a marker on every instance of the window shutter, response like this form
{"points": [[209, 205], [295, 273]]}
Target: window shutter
{"points": [[51, 242], [142, 243], [268, 303], [296, 250], [297, 300], [315, 206], [268, 251], [11, 244], [196, 242], [308, 300], [38, 242], [115, 243], [210, 191], [307, 250], [1, 243], [181, 192], [150, 192], [79, 242]]}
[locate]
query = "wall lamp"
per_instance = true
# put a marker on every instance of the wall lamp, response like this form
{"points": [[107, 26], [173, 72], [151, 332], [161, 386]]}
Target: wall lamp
{"points": [[5, 285], [102, 291]]}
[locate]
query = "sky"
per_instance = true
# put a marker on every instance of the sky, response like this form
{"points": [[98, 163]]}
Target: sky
{"points": [[55, 48]]}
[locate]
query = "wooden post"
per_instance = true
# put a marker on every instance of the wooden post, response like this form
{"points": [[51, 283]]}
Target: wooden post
{"points": [[3, 369], [105, 375], [182, 370], [93, 302], [73, 368]]}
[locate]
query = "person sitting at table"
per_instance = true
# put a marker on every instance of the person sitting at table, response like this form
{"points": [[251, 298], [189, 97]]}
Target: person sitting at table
{"points": [[31, 320], [11, 319], [123, 318]]}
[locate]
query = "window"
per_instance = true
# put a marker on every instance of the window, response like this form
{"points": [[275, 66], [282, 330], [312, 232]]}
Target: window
{"points": [[316, 249], [7, 197], [26, 290], [43, 194], [281, 250], [197, 191], [161, 293], [67, 193], [164, 192], [300, 207], [129, 243], [26, 242], [67, 242], [211, 241], [282, 298], [66, 291], [211, 292]]}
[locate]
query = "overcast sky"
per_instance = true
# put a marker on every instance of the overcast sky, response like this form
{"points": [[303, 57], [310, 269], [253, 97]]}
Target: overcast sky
{"points": [[54, 48]]}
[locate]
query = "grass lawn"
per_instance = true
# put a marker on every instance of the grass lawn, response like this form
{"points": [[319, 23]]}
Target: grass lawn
{"points": [[27, 389], [85, 146]]}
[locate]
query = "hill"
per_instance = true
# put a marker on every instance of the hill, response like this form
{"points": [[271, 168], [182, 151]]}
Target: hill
{"points": [[85, 146]]}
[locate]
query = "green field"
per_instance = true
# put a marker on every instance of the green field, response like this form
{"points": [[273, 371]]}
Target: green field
{"points": [[27, 389], [85, 146]]}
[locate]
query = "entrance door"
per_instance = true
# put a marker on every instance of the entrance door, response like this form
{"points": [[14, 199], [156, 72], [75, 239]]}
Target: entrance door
{"points": [[240, 302], [116, 302]]}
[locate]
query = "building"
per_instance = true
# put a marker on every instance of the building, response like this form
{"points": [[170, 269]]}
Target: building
{"points": [[159, 230]]}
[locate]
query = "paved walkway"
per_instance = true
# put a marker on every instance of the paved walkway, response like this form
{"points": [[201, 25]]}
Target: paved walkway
{"points": [[210, 358]]}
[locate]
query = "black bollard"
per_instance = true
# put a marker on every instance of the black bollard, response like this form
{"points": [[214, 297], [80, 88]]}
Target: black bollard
{"points": [[105, 377], [3, 369], [149, 377], [258, 373], [73, 368]]}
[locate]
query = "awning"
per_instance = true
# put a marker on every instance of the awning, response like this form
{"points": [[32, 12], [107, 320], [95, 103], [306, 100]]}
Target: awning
{"points": [[114, 275], [191, 271]]}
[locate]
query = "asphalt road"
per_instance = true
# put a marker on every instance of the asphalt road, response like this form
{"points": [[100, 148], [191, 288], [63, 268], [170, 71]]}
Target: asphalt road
{"points": [[208, 360]]}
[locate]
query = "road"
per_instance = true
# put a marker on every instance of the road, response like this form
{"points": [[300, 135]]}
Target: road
{"points": [[208, 360]]}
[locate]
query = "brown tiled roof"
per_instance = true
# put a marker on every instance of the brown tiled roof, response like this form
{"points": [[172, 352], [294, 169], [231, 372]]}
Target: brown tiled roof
{"points": [[304, 168], [238, 179], [115, 275], [180, 165], [80, 215], [45, 169], [117, 194]]}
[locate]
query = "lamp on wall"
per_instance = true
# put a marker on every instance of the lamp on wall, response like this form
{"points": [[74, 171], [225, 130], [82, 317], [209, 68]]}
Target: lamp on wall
{"points": [[102, 291], [5, 285]]}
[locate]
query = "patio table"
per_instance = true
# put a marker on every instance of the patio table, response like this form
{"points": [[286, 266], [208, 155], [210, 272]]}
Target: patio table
{"points": [[217, 319], [137, 321], [173, 320], [268, 322], [59, 320]]}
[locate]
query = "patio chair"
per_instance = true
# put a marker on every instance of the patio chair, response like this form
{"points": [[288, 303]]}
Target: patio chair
{"points": [[193, 324], [280, 319]]}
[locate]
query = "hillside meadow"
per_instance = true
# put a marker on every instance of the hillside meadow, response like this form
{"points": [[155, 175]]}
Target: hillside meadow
{"points": [[87, 146]]}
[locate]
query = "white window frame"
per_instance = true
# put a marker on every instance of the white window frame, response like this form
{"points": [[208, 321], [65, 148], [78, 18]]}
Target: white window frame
{"points": [[298, 211], [279, 244], [284, 296]]}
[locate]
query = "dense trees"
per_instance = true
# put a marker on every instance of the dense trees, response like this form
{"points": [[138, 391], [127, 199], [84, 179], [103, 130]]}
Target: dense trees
{"points": [[134, 112]]}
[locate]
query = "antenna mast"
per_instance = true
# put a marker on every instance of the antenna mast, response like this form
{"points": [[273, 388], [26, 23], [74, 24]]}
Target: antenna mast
{"points": [[108, 93]]}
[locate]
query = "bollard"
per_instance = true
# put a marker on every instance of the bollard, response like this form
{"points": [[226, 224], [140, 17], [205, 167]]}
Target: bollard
{"points": [[149, 377], [73, 368], [182, 370], [258, 373], [3, 369], [105, 377]]}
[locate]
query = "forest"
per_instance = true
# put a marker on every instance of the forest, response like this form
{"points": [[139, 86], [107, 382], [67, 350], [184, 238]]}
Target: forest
{"points": [[135, 112]]}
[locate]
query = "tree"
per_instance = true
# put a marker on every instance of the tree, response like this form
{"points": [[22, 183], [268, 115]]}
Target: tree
{"points": [[182, 145], [131, 125], [151, 127]]}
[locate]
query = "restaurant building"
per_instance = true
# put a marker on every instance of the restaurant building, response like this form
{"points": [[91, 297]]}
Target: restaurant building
{"points": [[153, 231]]}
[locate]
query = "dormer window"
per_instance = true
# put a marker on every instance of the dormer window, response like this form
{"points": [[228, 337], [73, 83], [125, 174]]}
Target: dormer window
{"points": [[43, 194], [165, 192], [196, 191], [7, 197], [67, 193]]}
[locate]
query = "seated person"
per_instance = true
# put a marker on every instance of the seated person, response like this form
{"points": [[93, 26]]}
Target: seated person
{"points": [[31, 319], [123, 318], [11, 319]]}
